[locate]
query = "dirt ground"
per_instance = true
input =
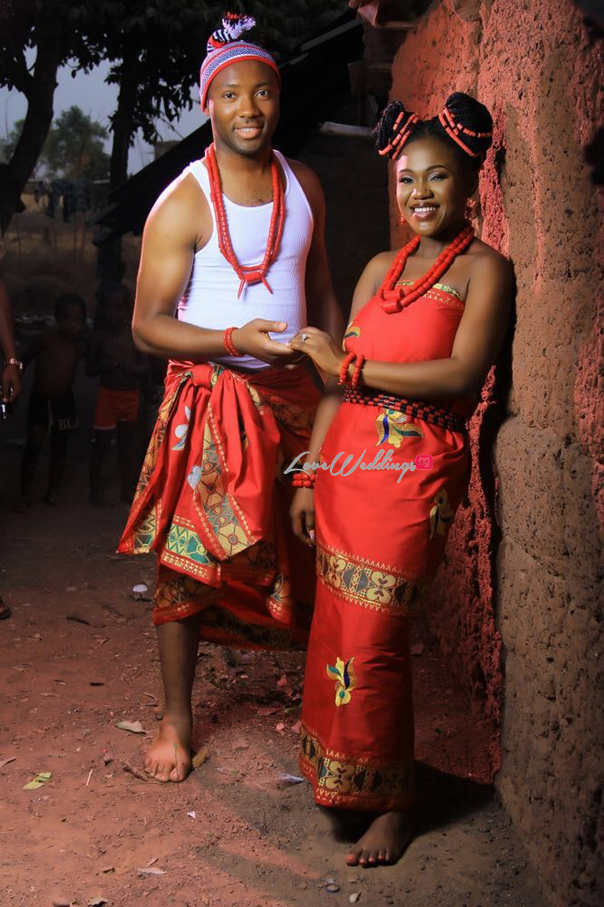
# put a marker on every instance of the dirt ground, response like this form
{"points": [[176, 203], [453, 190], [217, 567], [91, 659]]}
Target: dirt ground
{"points": [[79, 655]]}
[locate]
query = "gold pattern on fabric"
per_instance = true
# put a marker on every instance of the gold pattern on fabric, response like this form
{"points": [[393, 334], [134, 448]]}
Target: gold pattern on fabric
{"points": [[146, 531], [393, 427], [218, 509], [181, 597], [368, 583], [443, 287], [178, 596], [441, 514], [157, 439], [343, 674], [340, 779], [184, 551]]}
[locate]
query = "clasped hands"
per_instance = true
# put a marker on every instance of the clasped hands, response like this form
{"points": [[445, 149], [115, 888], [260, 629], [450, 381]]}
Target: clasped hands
{"points": [[254, 340], [321, 348]]}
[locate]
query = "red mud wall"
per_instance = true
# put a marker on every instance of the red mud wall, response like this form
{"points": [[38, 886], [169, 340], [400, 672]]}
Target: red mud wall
{"points": [[520, 587]]}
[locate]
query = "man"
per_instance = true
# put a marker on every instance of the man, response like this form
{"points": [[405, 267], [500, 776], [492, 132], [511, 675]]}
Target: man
{"points": [[236, 244]]}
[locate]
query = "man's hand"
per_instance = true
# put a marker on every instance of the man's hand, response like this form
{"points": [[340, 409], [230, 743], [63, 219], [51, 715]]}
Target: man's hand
{"points": [[11, 383], [302, 514], [321, 348], [253, 339]]}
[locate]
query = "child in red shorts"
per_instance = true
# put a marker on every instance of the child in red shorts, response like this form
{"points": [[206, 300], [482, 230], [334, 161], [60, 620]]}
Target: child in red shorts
{"points": [[113, 356]]}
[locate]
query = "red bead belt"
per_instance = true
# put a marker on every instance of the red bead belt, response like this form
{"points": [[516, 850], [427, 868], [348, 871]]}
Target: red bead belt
{"points": [[444, 418]]}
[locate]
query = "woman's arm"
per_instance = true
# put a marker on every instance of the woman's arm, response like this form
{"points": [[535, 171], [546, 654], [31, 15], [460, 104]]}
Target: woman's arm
{"points": [[302, 511], [477, 342]]}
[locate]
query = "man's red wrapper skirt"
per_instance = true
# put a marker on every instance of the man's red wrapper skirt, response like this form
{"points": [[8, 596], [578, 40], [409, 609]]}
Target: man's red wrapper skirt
{"points": [[213, 503]]}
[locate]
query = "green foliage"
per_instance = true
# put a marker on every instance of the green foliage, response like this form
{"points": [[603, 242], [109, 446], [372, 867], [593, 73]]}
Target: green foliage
{"points": [[74, 147]]}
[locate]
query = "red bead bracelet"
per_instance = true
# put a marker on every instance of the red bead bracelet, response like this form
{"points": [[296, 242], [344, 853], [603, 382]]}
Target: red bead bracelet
{"points": [[344, 370], [228, 343]]}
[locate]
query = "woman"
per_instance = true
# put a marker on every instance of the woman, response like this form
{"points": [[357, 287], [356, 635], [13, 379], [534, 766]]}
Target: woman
{"points": [[426, 325]]}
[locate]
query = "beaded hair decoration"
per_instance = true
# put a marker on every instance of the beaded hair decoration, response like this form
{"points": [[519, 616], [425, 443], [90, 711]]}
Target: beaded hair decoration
{"points": [[224, 47], [453, 128], [449, 118]]}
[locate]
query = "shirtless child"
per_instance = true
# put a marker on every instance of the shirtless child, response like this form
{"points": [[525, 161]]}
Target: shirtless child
{"points": [[51, 400], [112, 355]]}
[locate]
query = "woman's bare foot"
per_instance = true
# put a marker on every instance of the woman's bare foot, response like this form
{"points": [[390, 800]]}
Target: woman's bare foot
{"points": [[169, 756], [385, 841]]}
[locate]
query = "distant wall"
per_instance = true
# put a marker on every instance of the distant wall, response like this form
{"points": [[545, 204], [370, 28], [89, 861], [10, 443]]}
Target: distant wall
{"points": [[523, 557]]}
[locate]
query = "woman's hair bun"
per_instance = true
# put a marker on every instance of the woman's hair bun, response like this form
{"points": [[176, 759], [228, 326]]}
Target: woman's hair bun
{"points": [[394, 128], [468, 123]]}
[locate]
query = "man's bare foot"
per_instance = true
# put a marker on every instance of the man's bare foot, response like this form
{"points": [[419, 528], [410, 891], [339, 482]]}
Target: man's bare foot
{"points": [[169, 756], [385, 841]]}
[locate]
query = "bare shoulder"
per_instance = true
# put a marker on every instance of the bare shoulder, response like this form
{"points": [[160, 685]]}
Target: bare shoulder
{"points": [[371, 279], [179, 212], [488, 264], [308, 179], [380, 264]]}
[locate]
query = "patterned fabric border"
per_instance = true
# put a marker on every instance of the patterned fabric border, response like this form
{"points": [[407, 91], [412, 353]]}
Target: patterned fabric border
{"points": [[339, 780], [368, 583], [445, 288], [182, 596], [184, 551], [414, 408]]}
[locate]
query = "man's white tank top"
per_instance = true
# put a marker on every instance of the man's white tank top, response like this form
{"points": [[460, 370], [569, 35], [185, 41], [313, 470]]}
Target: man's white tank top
{"points": [[210, 299]]}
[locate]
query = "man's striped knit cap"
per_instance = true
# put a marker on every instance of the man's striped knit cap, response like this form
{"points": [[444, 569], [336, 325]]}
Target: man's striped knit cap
{"points": [[225, 48]]}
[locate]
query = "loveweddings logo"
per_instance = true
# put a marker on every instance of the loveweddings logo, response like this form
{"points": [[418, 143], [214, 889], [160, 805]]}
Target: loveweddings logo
{"points": [[380, 461]]}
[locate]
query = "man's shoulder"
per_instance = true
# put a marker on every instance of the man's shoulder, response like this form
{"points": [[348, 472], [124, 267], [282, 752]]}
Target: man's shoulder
{"points": [[309, 181], [182, 192], [180, 206], [302, 171]]}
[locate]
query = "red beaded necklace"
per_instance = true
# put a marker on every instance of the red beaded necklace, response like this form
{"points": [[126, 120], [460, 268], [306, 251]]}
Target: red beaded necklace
{"points": [[247, 273], [393, 298]]}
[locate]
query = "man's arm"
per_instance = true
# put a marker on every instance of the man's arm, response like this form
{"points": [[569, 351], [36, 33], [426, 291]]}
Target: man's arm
{"points": [[179, 224]]}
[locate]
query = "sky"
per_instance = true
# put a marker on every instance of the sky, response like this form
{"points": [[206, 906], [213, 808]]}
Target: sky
{"points": [[98, 100]]}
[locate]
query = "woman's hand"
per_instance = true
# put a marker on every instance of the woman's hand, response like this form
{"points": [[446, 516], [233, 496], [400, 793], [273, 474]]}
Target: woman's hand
{"points": [[321, 348], [302, 513]]}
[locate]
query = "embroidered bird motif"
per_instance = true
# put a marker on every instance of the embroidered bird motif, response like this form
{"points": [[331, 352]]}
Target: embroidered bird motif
{"points": [[344, 676], [441, 514], [392, 428]]}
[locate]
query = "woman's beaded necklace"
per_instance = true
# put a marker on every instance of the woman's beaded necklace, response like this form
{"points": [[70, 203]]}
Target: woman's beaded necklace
{"points": [[247, 274], [394, 299]]}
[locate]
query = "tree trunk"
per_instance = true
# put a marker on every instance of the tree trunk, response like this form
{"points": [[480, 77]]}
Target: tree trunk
{"points": [[40, 94], [110, 266]]}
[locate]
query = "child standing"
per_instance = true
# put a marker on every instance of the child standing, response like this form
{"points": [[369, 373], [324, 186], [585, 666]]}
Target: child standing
{"points": [[51, 401], [113, 355]]}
